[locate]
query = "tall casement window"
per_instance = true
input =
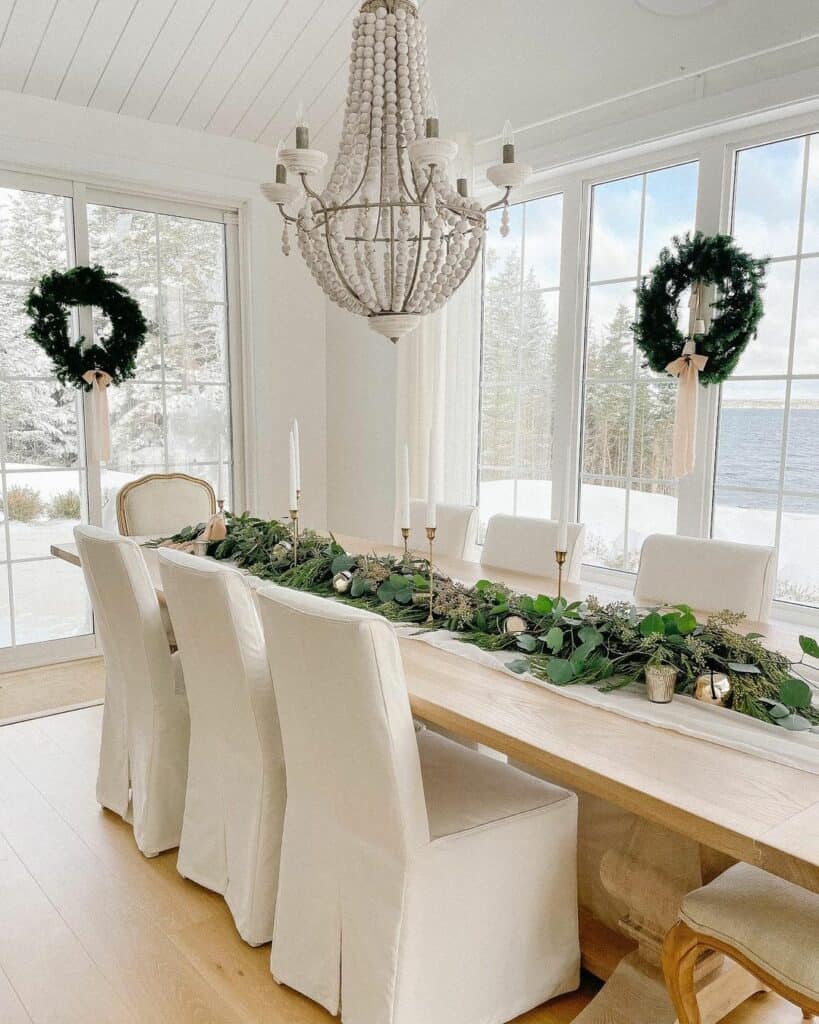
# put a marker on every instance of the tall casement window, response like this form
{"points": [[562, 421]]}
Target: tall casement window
{"points": [[767, 471], [519, 358], [628, 412], [176, 415], [42, 459]]}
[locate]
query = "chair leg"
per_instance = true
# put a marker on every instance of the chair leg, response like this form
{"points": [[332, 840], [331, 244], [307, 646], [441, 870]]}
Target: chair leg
{"points": [[807, 1015], [680, 952]]}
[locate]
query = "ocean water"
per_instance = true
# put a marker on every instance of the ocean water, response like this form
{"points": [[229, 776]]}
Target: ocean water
{"points": [[750, 451]]}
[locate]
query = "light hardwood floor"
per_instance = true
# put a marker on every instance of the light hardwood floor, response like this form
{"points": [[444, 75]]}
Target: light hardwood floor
{"points": [[92, 933]]}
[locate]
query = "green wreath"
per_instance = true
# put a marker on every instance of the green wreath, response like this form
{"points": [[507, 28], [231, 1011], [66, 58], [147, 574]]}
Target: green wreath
{"points": [[711, 260], [48, 306]]}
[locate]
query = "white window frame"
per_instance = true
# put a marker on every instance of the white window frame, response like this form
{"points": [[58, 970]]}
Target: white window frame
{"points": [[715, 150], [79, 195]]}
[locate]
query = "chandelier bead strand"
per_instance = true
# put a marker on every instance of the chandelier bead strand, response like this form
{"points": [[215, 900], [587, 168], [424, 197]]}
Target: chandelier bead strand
{"points": [[388, 237]]}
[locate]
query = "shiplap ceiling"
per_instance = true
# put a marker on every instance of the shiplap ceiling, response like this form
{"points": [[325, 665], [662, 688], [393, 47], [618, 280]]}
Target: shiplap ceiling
{"points": [[241, 67], [231, 67]]}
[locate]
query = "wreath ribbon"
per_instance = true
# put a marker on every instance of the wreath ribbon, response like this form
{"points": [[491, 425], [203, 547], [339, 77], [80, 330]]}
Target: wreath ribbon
{"points": [[100, 382], [686, 369]]}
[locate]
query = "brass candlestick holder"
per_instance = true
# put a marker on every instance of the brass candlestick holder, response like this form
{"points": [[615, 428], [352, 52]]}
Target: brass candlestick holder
{"points": [[430, 538], [405, 533], [560, 558], [294, 521]]}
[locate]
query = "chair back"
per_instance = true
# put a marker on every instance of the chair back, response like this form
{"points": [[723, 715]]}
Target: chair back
{"points": [[347, 732], [127, 616], [709, 575], [160, 504], [524, 544], [454, 533], [227, 678]]}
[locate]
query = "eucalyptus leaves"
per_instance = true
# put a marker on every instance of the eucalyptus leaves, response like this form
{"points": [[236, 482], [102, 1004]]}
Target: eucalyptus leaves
{"points": [[566, 643]]}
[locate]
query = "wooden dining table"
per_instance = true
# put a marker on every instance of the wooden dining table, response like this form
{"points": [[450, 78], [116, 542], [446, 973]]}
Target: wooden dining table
{"points": [[685, 793]]}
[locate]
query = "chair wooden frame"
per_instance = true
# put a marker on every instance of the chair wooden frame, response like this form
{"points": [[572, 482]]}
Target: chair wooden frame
{"points": [[122, 519], [681, 951]]}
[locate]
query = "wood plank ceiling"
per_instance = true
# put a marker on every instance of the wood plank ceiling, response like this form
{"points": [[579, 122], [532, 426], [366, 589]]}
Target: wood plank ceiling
{"points": [[231, 67]]}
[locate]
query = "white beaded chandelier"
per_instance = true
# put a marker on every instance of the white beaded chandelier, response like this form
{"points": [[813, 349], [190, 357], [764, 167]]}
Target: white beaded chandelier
{"points": [[388, 237]]}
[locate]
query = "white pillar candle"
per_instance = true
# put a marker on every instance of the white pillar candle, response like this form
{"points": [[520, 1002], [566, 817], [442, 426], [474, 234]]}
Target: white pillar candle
{"points": [[432, 482], [404, 492], [297, 445], [294, 501]]}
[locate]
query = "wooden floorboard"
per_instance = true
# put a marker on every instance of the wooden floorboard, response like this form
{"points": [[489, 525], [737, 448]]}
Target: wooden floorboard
{"points": [[91, 932]]}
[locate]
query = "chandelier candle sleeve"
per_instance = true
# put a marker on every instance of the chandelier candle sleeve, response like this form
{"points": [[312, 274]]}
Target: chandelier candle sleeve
{"points": [[388, 237]]}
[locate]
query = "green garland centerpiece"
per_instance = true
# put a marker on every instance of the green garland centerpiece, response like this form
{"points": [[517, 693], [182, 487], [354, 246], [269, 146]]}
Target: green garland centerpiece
{"points": [[701, 262], [579, 642], [75, 362]]}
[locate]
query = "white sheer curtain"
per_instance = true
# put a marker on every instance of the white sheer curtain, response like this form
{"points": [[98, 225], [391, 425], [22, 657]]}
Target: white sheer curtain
{"points": [[438, 387]]}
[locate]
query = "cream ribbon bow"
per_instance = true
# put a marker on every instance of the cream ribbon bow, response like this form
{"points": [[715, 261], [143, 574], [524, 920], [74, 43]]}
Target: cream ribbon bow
{"points": [[687, 370], [99, 381]]}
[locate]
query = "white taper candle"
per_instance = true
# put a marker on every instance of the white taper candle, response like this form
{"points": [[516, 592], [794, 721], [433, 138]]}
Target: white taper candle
{"points": [[432, 482], [297, 445], [563, 521], [294, 501], [404, 493]]}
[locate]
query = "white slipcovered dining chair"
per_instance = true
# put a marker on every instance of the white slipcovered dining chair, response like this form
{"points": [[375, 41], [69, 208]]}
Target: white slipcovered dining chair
{"points": [[709, 575], [160, 504], [454, 532], [420, 881], [234, 808], [144, 748], [524, 544]]}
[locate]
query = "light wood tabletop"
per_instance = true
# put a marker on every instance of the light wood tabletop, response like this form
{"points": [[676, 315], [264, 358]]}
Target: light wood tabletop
{"points": [[738, 803]]}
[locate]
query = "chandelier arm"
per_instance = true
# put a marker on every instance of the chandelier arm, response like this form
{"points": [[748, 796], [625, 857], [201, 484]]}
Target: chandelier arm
{"points": [[312, 194], [286, 216], [501, 202], [419, 247]]}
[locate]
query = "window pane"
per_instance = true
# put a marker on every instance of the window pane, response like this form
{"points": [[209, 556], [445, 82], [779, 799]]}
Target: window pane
{"points": [[544, 225], [798, 576], [810, 236], [603, 510], [745, 517], [616, 228], [137, 426], [670, 208], [752, 417], [19, 355], [196, 344], [768, 196], [32, 235], [502, 253], [50, 601], [768, 352], [802, 466], [806, 346], [518, 367], [43, 509], [654, 407], [197, 423], [40, 423], [609, 340], [191, 259], [606, 429]]}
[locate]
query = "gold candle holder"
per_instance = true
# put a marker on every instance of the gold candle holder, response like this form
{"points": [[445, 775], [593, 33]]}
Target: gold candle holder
{"points": [[430, 539], [560, 558], [405, 533], [294, 521]]}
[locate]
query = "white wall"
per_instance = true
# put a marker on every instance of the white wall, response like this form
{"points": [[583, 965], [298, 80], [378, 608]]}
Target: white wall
{"points": [[283, 311], [361, 423]]}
